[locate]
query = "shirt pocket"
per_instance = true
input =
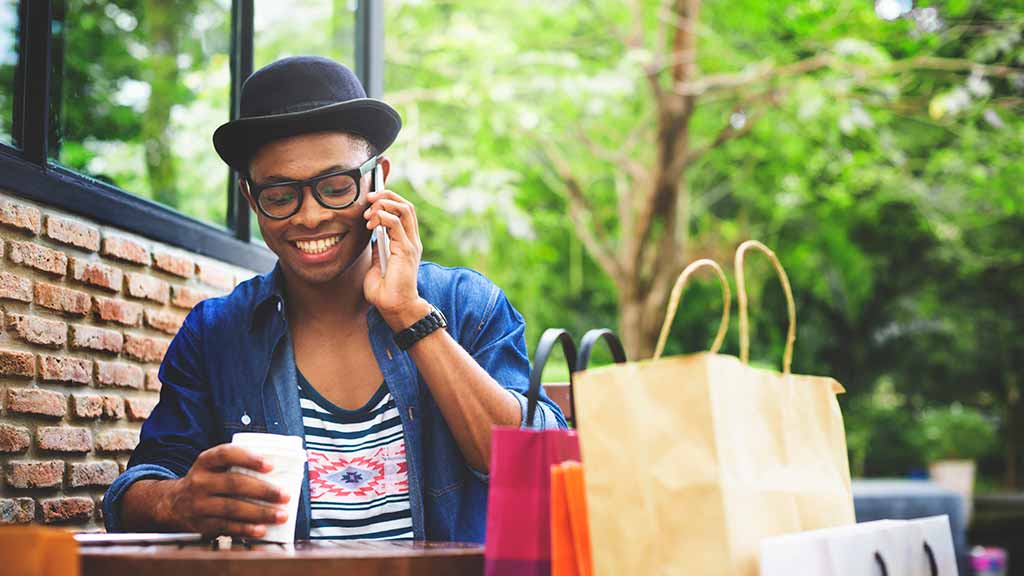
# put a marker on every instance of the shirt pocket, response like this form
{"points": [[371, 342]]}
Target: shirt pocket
{"points": [[438, 493]]}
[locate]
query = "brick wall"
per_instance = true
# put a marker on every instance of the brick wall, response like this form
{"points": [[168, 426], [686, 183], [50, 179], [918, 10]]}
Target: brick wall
{"points": [[86, 314]]}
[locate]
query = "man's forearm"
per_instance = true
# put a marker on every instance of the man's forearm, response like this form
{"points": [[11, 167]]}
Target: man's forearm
{"points": [[145, 506], [471, 401]]}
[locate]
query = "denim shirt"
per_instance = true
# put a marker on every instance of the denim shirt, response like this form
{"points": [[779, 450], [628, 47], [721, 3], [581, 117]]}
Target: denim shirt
{"points": [[231, 369]]}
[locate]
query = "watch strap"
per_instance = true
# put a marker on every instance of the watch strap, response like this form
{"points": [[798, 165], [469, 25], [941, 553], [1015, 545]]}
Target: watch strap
{"points": [[433, 321]]}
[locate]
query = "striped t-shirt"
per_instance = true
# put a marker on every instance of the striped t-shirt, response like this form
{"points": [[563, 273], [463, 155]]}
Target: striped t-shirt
{"points": [[358, 478]]}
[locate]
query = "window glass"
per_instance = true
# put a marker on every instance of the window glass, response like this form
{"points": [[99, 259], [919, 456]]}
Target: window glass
{"points": [[138, 87], [304, 27], [8, 65]]}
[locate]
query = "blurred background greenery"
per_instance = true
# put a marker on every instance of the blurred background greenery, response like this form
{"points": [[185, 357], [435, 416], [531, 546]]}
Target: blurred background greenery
{"points": [[579, 153]]}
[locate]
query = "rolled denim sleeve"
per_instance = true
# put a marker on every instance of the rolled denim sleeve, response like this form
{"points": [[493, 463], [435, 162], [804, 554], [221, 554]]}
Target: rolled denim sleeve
{"points": [[546, 418], [115, 493], [179, 427], [499, 345]]}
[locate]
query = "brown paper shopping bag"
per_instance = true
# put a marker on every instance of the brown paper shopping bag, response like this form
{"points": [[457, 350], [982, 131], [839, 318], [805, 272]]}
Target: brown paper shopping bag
{"points": [[692, 460]]}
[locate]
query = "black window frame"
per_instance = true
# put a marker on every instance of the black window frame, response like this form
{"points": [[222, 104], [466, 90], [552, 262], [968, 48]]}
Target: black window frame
{"points": [[28, 172]]}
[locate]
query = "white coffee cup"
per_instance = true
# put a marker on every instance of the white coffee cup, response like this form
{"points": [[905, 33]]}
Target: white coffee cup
{"points": [[288, 458]]}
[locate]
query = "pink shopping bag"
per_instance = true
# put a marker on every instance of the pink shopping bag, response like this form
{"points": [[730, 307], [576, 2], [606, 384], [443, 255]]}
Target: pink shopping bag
{"points": [[519, 500]]}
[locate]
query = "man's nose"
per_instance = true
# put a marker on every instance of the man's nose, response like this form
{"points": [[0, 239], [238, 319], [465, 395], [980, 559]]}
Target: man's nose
{"points": [[311, 214]]}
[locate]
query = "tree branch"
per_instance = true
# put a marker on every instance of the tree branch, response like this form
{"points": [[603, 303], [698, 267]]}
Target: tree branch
{"points": [[674, 112], [619, 158], [764, 71], [582, 213], [685, 41], [624, 204], [751, 75], [659, 35], [952, 65], [636, 36], [729, 131], [616, 31]]}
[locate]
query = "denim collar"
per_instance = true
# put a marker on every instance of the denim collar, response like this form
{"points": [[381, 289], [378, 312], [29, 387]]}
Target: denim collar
{"points": [[268, 295]]}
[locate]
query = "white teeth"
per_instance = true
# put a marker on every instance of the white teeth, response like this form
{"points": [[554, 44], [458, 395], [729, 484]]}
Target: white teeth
{"points": [[317, 246]]}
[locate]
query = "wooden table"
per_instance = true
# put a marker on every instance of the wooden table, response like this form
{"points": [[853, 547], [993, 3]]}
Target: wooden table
{"points": [[320, 558]]}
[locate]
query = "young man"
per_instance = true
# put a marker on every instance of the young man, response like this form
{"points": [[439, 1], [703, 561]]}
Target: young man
{"points": [[395, 380]]}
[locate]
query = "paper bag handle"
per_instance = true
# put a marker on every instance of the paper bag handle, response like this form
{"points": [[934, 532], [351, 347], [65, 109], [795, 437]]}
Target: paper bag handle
{"points": [[787, 357], [676, 296], [548, 339]]}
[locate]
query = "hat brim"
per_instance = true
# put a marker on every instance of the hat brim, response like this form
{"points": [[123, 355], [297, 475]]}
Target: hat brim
{"points": [[238, 140]]}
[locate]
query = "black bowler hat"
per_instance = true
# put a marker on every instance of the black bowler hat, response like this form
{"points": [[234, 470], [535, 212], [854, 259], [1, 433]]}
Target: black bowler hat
{"points": [[299, 95]]}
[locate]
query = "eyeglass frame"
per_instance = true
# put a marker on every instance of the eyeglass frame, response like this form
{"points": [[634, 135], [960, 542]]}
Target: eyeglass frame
{"points": [[300, 185]]}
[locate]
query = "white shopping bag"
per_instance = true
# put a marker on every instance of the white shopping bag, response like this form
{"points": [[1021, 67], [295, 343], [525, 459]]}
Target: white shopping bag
{"points": [[931, 547], [883, 550], [840, 551]]}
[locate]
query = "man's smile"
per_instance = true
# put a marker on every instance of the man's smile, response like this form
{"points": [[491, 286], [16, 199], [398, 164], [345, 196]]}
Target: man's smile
{"points": [[317, 245]]}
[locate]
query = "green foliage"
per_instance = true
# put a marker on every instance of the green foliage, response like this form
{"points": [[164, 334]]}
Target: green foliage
{"points": [[956, 432], [887, 434], [882, 433]]}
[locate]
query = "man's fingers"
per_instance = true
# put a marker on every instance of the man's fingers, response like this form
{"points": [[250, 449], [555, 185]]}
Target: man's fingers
{"points": [[218, 527], [395, 204], [235, 510], [227, 455], [386, 194], [399, 239], [242, 486], [403, 210]]}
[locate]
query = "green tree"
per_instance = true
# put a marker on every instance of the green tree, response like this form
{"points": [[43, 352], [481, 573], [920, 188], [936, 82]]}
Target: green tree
{"points": [[879, 158], [133, 75], [164, 25]]}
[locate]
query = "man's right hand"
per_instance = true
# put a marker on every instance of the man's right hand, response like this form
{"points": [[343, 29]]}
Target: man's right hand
{"points": [[208, 498]]}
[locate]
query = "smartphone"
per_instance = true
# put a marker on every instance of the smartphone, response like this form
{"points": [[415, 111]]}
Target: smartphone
{"points": [[380, 234]]}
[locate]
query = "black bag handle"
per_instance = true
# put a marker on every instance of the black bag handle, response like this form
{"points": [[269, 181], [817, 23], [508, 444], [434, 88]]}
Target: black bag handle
{"points": [[587, 346], [931, 559], [548, 340], [881, 563]]}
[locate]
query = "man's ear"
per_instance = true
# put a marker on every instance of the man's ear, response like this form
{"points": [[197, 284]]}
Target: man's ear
{"points": [[243, 186], [385, 166]]}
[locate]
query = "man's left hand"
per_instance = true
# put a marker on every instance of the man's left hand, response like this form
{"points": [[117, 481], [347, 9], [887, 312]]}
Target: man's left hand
{"points": [[395, 294]]}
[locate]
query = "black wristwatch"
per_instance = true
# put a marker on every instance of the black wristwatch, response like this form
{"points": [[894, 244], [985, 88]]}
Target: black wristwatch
{"points": [[424, 326]]}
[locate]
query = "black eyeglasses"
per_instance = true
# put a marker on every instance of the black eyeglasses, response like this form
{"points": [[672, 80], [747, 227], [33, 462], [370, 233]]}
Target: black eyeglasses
{"points": [[334, 191]]}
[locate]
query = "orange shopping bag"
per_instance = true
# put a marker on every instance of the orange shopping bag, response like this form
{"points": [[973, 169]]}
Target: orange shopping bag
{"points": [[570, 531], [38, 551]]}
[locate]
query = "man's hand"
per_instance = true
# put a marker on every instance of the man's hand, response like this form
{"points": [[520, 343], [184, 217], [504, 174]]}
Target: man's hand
{"points": [[208, 498], [395, 295]]}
